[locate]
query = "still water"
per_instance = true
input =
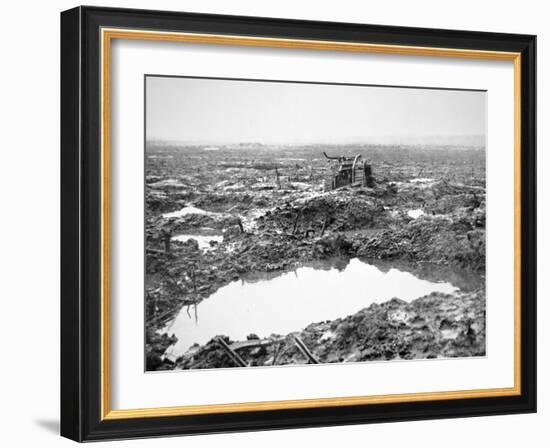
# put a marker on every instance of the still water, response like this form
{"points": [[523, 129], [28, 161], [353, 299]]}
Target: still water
{"points": [[415, 213], [202, 240], [283, 303], [189, 210]]}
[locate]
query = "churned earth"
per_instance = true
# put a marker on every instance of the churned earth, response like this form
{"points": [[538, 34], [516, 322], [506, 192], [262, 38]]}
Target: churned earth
{"points": [[215, 217]]}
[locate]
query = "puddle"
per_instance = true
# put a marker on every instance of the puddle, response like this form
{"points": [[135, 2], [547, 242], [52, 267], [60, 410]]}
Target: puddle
{"points": [[415, 213], [190, 210], [203, 240], [463, 278], [267, 304], [418, 182], [167, 183]]}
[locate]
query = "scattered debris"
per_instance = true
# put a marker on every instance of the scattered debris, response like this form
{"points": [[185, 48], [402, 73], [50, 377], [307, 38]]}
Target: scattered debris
{"points": [[268, 211]]}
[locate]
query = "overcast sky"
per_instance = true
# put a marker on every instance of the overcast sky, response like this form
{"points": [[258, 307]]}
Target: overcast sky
{"points": [[211, 111]]}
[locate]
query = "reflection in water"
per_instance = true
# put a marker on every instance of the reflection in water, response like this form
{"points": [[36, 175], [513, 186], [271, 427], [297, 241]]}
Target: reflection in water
{"points": [[464, 279], [290, 301]]}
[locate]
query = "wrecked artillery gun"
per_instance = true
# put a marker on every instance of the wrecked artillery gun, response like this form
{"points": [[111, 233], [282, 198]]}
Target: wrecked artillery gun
{"points": [[351, 171]]}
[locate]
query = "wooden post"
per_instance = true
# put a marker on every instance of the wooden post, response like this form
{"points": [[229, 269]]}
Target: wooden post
{"points": [[193, 278], [325, 222], [296, 222], [240, 224], [278, 180]]}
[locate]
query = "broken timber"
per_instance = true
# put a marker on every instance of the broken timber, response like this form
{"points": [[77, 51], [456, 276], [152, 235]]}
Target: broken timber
{"points": [[302, 347], [232, 353], [254, 343], [231, 350]]}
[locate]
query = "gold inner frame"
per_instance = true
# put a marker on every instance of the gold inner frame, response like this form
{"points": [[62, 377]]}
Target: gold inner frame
{"points": [[107, 35]]}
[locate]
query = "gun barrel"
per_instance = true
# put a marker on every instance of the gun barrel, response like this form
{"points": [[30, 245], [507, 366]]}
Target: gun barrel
{"points": [[329, 157]]}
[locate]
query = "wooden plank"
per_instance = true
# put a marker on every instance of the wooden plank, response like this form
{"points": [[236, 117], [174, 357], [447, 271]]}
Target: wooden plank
{"points": [[303, 348], [253, 343], [232, 354]]}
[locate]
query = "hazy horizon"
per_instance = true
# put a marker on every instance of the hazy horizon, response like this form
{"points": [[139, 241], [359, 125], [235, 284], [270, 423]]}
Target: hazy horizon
{"points": [[197, 111]]}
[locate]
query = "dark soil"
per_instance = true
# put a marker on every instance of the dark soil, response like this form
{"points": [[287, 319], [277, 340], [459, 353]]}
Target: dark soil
{"points": [[271, 226]]}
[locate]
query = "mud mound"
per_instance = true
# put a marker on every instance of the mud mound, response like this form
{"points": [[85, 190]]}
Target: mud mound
{"points": [[154, 350], [342, 210], [453, 240], [433, 326]]}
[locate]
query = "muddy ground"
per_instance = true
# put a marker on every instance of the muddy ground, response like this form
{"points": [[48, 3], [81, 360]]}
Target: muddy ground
{"points": [[258, 209]]}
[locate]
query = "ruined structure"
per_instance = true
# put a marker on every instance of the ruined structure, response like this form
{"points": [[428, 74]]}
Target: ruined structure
{"points": [[350, 171]]}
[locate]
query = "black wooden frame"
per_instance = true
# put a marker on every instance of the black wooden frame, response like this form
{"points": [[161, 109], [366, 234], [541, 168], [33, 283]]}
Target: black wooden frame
{"points": [[80, 223]]}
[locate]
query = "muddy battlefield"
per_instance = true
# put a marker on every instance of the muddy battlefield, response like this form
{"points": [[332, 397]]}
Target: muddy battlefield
{"points": [[272, 255]]}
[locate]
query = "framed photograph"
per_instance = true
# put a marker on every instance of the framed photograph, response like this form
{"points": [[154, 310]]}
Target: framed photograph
{"points": [[272, 223]]}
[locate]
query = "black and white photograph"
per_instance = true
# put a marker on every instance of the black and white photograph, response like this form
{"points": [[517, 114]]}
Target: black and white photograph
{"points": [[274, 221], [308, 223]]}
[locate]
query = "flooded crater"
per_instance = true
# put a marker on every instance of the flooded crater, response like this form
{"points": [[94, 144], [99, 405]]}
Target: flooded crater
{"points": [[266, 304]]}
